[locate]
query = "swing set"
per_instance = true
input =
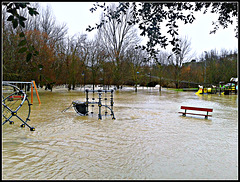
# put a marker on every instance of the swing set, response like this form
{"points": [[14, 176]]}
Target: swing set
{"points": [[13, 99], [32, 83]]}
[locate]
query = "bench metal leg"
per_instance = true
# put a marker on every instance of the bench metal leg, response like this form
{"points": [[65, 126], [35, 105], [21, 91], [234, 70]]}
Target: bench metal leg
{"points": [[206, 115], [184, 114]]}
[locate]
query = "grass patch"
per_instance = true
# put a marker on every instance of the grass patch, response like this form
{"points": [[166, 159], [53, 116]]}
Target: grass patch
{"points": [[183, 89]]}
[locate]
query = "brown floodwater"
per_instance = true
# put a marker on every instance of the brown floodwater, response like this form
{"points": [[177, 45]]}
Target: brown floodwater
{"points": [[148, 140]]}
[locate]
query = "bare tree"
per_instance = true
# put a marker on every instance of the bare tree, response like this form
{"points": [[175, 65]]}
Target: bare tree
{"points": [[117, 37], [96, 56], [161, 63], [48, 24], [75, 52], [178, 59], [135, 59]]}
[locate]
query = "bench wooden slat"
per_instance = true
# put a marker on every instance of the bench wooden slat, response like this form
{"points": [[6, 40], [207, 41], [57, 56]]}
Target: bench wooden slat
{"points": [[197, 108]]}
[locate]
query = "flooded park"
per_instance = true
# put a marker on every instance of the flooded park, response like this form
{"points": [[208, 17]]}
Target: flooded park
{"points": [[148, 140], [55, 127]]}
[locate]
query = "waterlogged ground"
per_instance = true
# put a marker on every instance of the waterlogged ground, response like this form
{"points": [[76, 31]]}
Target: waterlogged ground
{"points": [[148, 140]]}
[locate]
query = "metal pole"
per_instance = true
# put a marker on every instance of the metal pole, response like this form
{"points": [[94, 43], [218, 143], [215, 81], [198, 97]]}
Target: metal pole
{"points": [[31, 93], [36, 92], [99, 106], [112, 99], [87, 101]]}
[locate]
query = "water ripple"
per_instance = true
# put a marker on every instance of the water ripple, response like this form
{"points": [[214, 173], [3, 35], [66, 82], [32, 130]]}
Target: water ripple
{"points": [[149, 140]]}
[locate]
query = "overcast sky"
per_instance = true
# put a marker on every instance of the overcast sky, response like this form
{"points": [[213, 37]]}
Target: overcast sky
{"points": [[77, 17]]}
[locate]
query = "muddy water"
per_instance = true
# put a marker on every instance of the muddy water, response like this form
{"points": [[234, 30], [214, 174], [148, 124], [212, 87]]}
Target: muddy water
{"points": [[148, 140]]}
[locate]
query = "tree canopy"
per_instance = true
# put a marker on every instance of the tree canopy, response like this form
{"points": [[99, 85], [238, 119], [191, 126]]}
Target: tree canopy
{"points": [[18, 20], [151, 17]]}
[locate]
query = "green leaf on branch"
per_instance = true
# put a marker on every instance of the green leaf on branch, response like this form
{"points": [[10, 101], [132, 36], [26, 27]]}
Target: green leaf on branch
{"points": [[21, 34], [22, 50], [22, 23], [22, 43], [10, 18], [36, 53], [15, 23], [32, 11], [29, 56], [21, 18], [23, 5]]}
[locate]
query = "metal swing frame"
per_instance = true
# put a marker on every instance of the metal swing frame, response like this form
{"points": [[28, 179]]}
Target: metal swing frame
{"points": [[24, 98]]}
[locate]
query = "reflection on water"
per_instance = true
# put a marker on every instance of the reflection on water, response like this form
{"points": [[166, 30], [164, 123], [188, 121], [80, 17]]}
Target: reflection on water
{"points": [[148, 139]]}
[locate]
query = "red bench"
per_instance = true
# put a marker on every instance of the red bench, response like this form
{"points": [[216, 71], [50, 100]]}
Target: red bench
{"points": [[196, 109]]}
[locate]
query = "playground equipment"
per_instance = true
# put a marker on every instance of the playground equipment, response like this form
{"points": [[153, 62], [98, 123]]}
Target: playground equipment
{"points": [[13, 99], [206, 90], [222, 89], [82, 108], [32, 83]]}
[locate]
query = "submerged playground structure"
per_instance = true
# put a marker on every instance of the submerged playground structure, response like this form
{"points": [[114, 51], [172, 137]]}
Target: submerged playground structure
{"points": [[82, 108], [223, 88], [13, 99]]}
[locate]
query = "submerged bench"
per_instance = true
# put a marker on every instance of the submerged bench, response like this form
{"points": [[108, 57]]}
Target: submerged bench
{"points": [[196, 109]]}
